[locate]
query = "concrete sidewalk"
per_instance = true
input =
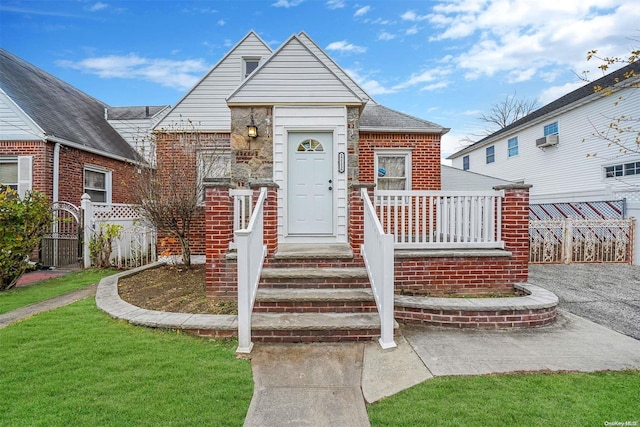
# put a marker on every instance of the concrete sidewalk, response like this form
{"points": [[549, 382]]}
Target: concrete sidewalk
{"points": [[47, 305]]}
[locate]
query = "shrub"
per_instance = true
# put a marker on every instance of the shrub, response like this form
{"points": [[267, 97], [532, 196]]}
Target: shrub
{"points": [[22, 225]]}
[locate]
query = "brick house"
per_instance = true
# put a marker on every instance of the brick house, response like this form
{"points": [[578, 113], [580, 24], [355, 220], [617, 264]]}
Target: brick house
{"points": [[309, 148], [56, 139]]}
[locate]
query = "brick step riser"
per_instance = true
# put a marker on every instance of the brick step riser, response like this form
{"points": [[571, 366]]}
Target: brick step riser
{"points": [[310, 336], [315, 307], [320, 263], [329, 283]]}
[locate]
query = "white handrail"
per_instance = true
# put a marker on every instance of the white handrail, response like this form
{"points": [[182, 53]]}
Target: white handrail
{"points": [[441, 219], [251, 254], [377, 252], [242, 209]]}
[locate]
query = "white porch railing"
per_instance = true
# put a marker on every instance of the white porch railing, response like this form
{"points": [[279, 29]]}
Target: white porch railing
{"points": [[441, 219], [242, 210], [251, 254], [377, 252]]}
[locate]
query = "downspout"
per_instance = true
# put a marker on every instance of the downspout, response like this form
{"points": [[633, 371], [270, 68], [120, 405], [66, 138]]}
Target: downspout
{"points": [[56, 171]]}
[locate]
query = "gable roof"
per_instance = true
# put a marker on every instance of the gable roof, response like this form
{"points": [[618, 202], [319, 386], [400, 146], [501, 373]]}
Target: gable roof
{"points": [[378, 118], [64, 113], [205, 102], [571, 100], [293, 73]]}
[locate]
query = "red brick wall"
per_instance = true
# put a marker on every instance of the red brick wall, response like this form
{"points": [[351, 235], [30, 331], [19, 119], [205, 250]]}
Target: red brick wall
{"points": [[425, 156], [167, 150], [72, 163]]}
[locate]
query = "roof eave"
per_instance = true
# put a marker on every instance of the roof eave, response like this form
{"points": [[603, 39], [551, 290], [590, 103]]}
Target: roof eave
{"points": [[82, 147], [434, 130]]}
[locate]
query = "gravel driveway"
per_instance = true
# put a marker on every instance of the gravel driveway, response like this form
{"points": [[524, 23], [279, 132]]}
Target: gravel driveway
{"points": [[608, 294]]}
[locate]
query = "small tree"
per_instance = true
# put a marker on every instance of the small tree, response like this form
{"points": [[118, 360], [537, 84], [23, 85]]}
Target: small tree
{"points": [[22, 225], [170, 194]]}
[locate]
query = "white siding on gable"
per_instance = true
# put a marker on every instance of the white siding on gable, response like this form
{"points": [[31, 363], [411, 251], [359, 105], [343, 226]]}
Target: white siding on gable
{"points": [[15, 124], [335, 68], [565, 171], [287, 119], [205, 105], [137, 132], [294, 75]]}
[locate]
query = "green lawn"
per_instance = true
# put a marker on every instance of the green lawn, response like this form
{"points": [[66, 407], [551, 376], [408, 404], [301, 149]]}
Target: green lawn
{"points": [[40, 291], [566, 399], [75, 366]]}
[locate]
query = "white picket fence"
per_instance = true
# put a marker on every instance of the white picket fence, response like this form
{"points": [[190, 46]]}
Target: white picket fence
{"points": [[135, 244]]}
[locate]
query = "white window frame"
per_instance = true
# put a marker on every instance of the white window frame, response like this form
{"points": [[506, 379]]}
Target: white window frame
{"points": [[223, 154], [623, 170], [393, 153], [516, 147], [24, 169], [546, 129], [246, 59], [466, 163], [107, 181], [492, 155]]}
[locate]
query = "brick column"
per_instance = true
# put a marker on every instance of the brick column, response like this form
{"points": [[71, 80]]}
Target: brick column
{"points": [[270, 231], [515, 227], [221, 282], [356, 214]]}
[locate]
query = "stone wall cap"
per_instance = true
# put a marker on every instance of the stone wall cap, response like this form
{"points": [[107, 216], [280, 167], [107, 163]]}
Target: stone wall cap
{"points": [[217, 182], [513, 187], [263, 183], [358, 185]]}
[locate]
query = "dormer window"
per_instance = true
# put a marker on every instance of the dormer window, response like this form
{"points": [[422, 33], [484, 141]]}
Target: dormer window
{"points": [[249, 65]]}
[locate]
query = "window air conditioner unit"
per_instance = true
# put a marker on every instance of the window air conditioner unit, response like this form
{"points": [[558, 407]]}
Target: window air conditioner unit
{"points": [[547, 141]]}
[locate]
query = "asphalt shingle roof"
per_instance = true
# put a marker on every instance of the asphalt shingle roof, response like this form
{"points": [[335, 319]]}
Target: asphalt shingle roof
{"points": [[60, 109], [378, 117], [135, 112]]}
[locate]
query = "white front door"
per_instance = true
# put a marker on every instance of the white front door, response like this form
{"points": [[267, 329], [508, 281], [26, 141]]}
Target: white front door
{"points": [[310, 183]]}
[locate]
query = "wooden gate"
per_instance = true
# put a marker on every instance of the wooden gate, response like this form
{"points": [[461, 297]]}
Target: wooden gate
{"points": [[62, 244]]}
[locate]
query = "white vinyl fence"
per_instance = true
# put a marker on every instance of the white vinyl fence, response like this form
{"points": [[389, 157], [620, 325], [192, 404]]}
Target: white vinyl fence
{"points": [[135, 244]]}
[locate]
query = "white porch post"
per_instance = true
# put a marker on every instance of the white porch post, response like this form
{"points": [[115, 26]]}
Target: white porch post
{"points": [[87, 216]]}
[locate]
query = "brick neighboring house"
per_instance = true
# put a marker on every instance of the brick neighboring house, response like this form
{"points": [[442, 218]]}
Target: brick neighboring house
{"points": [[321, 139], [56, 139]]}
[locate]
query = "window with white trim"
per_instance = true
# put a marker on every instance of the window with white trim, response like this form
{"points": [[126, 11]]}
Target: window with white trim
{"points": [[624, 169], [465, 163], [249, 65], [15, 173], [512, 146], [97, 184], [213, 163], [393, 169], [551, 129], [491, 154]]}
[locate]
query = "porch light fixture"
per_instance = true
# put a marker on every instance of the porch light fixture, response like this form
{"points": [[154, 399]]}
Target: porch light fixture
{"points": [[252, 129]]}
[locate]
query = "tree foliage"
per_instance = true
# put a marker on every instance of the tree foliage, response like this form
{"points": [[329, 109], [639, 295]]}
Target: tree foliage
{"points": [[170, 193], [23, 222], [623, 130]]}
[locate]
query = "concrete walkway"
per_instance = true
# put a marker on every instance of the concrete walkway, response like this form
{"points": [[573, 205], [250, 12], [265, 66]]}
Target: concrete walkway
{"points": [[47, 305]]}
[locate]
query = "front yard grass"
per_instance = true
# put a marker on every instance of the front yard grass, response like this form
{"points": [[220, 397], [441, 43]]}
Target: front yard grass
{"points": [[560, 399], [40, 291], [77, 366]]}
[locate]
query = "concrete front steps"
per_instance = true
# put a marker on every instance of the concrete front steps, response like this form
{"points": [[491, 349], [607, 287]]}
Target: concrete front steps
{"points": [[314, 294]]}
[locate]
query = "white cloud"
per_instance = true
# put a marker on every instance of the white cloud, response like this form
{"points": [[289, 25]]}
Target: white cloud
{"points": [[524, 39], [411, 31], [180, 75], [221, 22], [344, 47], [335, 4], [439, 85], [98, 6], [370, 85], [287, 3], [554, 92], [434, 76], [362, 11], [410, 15], [386, 36]]}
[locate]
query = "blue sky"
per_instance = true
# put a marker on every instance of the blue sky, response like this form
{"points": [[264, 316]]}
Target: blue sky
{"points": [[444, 61]]}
